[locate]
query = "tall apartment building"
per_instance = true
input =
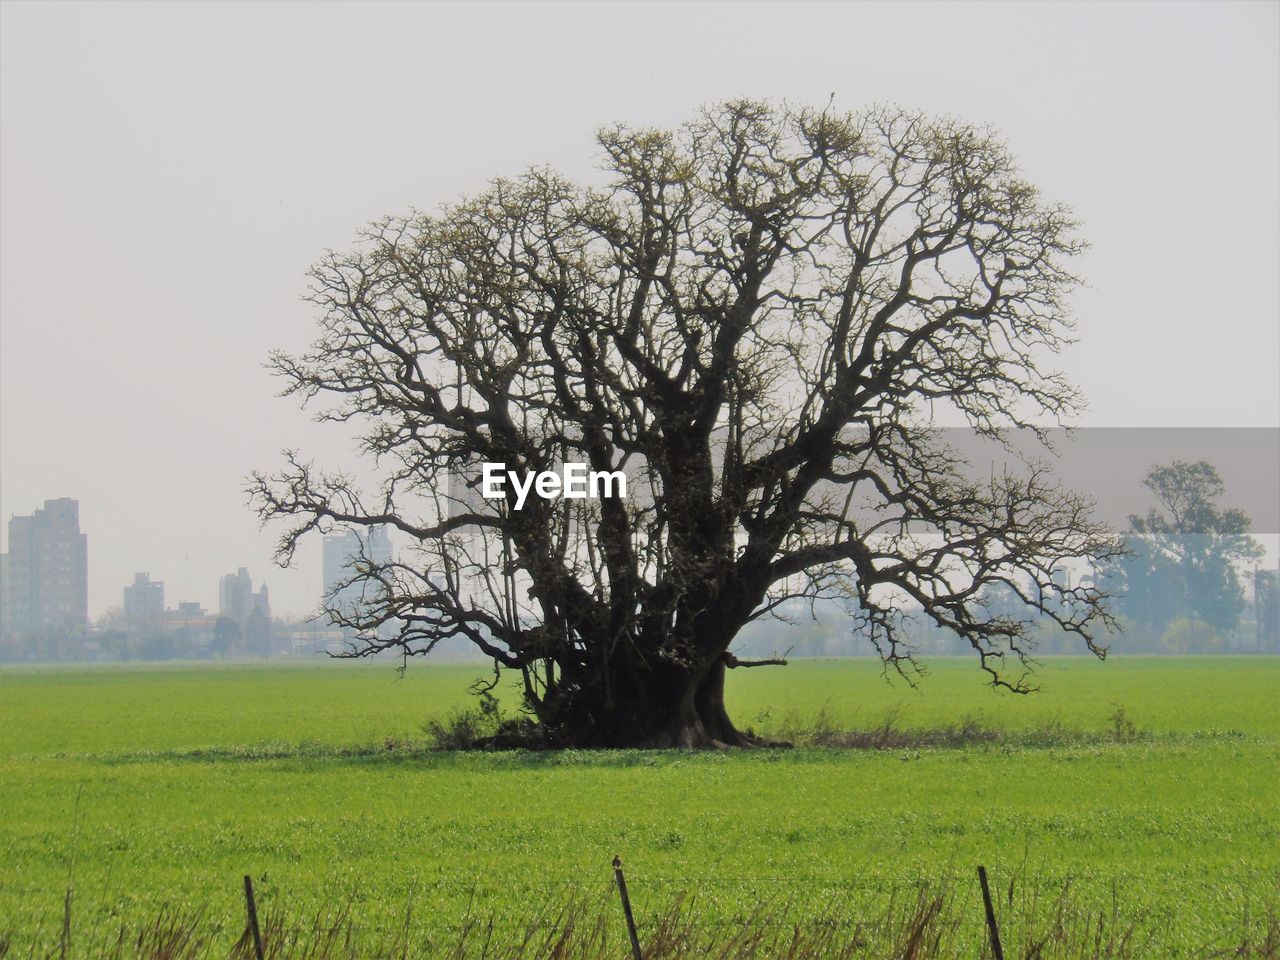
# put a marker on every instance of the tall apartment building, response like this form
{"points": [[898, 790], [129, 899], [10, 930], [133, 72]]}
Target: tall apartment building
{"points": [[46, 573], [144, 598], [237, 600], [343, 551], [244, 616]]}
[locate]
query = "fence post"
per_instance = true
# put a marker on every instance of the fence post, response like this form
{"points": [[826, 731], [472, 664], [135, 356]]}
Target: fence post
{"points": [[626, 908], [992, 929], [66, 926], [252, 909]]}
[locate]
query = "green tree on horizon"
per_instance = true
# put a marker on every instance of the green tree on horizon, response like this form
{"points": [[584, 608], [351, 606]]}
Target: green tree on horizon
{"points": [[1184, 557]]}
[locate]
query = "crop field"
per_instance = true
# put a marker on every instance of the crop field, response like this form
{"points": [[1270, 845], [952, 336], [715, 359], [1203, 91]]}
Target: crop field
{"points": [[1137, 794]]}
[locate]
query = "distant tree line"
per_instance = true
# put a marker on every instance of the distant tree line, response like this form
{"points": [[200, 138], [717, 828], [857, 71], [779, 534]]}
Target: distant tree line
{"points": [[116, 637], [214, 638]]}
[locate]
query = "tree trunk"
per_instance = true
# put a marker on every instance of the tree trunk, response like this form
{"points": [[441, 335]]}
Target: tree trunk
{"points": [[669, 708], [701, 720]]}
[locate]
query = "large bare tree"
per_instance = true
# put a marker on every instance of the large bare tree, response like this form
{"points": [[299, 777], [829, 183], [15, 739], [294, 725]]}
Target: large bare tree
{"points": [[756, 318]]}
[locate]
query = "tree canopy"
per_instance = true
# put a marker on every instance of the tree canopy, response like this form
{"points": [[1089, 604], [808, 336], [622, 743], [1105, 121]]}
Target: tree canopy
{"points": [[757, 317], [1182, 557]]}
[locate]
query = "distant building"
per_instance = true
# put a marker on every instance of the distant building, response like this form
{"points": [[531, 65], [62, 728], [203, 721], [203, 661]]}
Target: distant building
{"points": [[245, 615], [340, 549], [4, 599], [261, 605], [46, 574], [191, 628], [238, 602], [344, 551], [144, 598], [235, 595]]}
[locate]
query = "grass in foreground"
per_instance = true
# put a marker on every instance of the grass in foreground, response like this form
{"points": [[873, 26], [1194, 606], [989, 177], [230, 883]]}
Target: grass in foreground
{"points": [[318, 781], [925, 923]]}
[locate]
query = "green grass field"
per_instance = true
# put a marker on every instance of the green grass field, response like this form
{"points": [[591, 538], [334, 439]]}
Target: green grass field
{"points": [[315, 779]]}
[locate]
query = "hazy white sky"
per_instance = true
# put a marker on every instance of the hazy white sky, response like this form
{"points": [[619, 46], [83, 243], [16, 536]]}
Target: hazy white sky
{"points": [[169, 170]]}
